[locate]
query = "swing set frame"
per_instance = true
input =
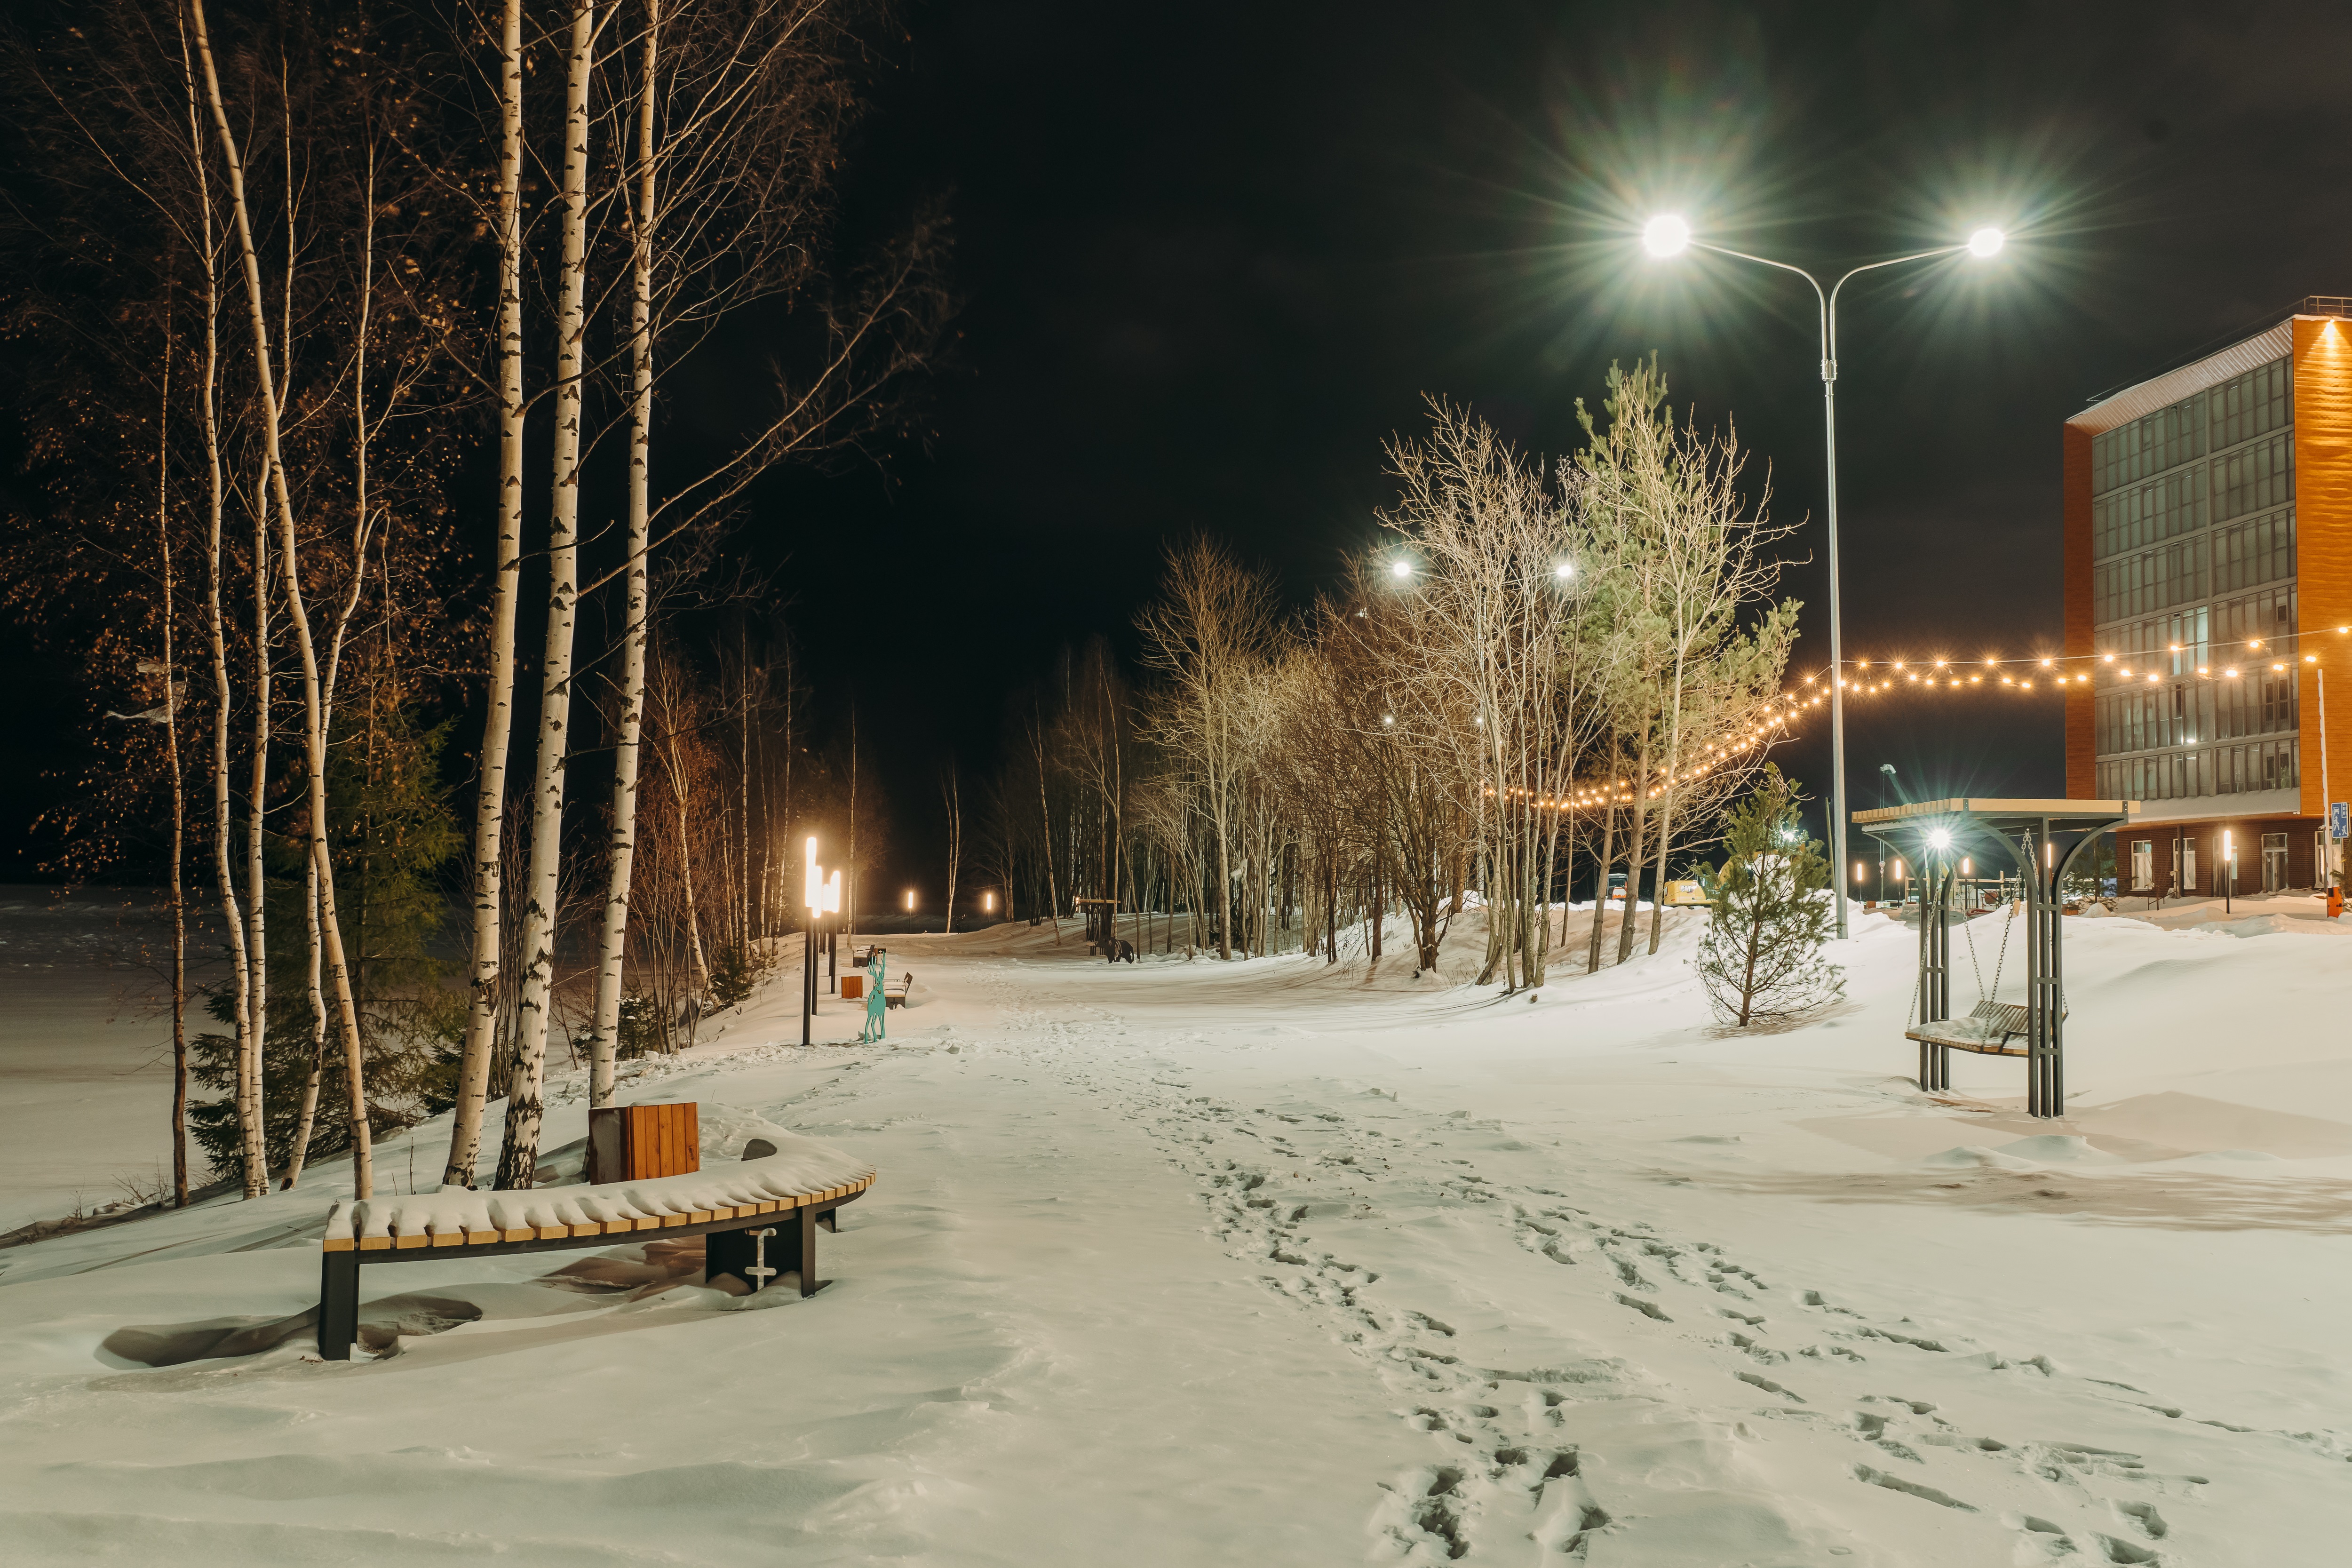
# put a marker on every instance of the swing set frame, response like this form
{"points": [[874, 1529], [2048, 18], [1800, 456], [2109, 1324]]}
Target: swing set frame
{"points": [[2044, 838]]}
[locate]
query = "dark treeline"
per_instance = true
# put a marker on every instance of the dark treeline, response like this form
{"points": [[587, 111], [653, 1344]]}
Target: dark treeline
{"points": [[342, 339]]}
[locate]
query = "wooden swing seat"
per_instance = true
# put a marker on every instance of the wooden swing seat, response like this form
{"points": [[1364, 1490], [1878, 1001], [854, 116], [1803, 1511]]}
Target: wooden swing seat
{"points": [[1987, 1030]]}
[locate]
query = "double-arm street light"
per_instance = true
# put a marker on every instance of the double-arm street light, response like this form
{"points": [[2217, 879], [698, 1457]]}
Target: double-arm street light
{"points": [[1667, 235]]}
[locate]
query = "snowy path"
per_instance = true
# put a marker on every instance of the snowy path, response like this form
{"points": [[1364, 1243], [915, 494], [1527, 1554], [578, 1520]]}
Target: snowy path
{"points": [[1184, 1263]]}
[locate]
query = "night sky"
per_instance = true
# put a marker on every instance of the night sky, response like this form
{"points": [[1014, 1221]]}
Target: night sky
{"points": [[1212, 255]]}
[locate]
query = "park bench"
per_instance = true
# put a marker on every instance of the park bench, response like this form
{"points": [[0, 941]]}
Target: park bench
{"points": [[894, 991], [788, 1197]]}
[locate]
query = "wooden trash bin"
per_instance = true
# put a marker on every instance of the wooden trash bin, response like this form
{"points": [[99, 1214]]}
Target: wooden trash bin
{"points": [[632, 1143], [852, 987]]}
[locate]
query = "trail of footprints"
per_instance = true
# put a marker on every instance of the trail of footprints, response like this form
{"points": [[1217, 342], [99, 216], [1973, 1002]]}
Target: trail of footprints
{"points": [[1504, 1480]]}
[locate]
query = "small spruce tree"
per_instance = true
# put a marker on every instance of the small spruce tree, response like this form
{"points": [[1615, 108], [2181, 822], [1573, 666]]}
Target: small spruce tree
{"points": [[733, 975], [391, 834], [1761, 959]]}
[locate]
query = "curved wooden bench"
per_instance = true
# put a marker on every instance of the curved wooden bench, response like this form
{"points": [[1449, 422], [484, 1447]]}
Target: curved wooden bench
{"points": [[894, 991], [727, 1205]]}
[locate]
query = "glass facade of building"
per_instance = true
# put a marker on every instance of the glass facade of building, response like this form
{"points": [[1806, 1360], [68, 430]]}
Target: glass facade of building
{"points": [[2192, 529]]}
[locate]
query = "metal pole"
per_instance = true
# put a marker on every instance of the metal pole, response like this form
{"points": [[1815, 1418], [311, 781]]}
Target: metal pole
{"points": [[1837, 646], [2326, 809], [1828, 298], [2035, 910], [808, 976]]}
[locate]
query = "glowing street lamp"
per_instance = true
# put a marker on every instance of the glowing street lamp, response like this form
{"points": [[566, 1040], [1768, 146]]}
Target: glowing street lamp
{"points": [[820, 896], [1669, 235]]}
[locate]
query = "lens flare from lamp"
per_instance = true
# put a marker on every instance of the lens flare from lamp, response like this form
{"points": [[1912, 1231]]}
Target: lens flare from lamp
{"points": [[1402, 569], [1987, 241], [1666, 234]]}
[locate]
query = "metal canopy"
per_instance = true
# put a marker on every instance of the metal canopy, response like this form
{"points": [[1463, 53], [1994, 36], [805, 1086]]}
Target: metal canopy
{"points": [[2002, 814], [2043, 838]]}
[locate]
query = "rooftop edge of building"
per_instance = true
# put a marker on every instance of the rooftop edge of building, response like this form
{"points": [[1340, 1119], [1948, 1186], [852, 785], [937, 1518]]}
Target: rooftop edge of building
{"points": [[2206, 366]]}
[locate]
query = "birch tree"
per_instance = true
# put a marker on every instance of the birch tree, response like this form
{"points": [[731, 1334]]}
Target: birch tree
{"points": [[736, 113], [490, 856], [1214, 624], [1698, 551], [518, 1154]]}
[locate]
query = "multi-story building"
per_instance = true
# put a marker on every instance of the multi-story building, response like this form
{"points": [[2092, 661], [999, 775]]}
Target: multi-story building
{"points": [[2208, 569]]}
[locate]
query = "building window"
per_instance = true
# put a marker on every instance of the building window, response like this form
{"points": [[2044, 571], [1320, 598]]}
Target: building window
{"points": [[2255, 552], [2143, 864], [2151, 443], [2248, 406], [2143, 514], [2255, 476], [2153, 580]]}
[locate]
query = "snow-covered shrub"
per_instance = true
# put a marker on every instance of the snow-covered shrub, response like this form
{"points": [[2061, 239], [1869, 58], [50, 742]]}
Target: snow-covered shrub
{"points": [[1761, 959]]}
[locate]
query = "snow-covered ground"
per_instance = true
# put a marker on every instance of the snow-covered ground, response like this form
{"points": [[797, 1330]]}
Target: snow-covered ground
{"points": [[1192, 1263]]}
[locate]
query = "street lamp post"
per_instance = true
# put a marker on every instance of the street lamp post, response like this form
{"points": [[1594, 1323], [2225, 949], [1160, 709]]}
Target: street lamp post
{"points": [[1667, 235], [820, 896]]}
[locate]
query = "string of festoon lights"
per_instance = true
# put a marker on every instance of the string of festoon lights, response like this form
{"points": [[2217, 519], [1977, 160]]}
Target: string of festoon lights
{"points": [[2226, 660], [1772, 721], [1776, 719]]}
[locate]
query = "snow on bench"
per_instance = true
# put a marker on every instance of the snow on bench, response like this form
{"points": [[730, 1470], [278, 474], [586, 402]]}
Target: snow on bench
{"points": [[812, 1172], [894, 991], [799, 1187]]}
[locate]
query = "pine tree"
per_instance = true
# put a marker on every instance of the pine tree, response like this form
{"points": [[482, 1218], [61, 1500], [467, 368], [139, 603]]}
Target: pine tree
{"points": [[1761, 959]]}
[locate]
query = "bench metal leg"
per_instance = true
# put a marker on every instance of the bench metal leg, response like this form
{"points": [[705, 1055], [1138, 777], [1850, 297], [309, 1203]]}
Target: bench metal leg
{"points": [[792, 1249], [338, 1304], [727, 1252], [801, 1247]]}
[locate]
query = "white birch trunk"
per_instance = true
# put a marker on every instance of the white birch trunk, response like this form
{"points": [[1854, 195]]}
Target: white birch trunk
{"points": [[519, 1155], [216, 504], [256, 881], [605, 1041], [489, 805]]}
